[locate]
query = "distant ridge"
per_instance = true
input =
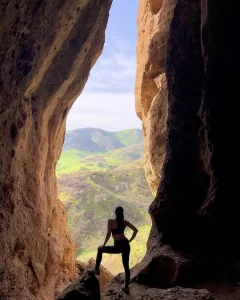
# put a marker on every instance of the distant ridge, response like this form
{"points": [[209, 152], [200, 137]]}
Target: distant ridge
{"points": [[96, 140], [99, 170]]}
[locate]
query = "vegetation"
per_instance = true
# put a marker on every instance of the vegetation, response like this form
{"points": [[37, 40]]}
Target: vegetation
{"points": [[97, 140], [113, 262], [91, 184]]}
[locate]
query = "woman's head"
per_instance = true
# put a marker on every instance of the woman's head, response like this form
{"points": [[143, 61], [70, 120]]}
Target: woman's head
{"points": [[119, 213]]}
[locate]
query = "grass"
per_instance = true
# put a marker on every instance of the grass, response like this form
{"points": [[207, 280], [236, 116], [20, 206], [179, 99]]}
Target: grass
{"points": [[90, 198], [70, 161], [92, 184], [74, 160], [98, 140], [129, 137]]}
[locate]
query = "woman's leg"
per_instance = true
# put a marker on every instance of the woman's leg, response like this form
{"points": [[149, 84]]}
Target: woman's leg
{"points": [[106, 249], [125, 261]]}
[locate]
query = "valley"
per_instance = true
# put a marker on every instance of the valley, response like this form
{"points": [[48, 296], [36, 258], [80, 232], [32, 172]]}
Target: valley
{"points": [[97, 171]]}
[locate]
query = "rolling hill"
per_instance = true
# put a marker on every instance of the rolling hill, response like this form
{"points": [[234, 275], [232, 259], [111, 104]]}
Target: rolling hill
{"points": [[96, 140], [73, 160], [101, 171]]}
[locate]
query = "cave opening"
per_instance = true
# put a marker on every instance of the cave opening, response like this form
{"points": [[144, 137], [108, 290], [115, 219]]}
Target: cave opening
{"points": [[101, 164], [47, 51], [47, 64]]}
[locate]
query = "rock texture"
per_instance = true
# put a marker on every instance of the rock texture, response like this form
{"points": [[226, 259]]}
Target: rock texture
{"points": [[47, 49], [87, 288], [186, 49], [154, 18], [196, 212], [138, 292], [105, 276]]}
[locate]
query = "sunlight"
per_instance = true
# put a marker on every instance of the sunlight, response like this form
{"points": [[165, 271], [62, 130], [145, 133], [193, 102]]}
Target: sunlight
{"points": [[101, 166]]}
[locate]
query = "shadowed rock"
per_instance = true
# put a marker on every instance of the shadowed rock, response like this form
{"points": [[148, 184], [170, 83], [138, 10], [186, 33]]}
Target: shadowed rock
{"points": [[87, 288], [47, 50], [104, 277], [196, 211], [140, 292]]}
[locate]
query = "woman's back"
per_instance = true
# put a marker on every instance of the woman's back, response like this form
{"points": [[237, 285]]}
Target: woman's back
{"points": [[121, 244], [117, 229]]}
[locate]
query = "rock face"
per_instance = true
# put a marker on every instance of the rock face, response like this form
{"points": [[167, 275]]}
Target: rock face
{"points": [[137, 292], [154, 20], [87, 288], [185, 94], [47, 49], [195, 213], [104, 277]]}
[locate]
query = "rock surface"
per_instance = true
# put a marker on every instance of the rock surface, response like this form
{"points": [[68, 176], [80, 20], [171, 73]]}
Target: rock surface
{"points": [[87, 288], [186, 48], [154, 19], [105, 276], [196, 212], [140, 292], [47, 49]]}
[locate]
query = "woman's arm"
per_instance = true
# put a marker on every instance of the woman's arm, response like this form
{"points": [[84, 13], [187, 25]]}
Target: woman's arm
{"points": [[108, 234], [135, 230]]}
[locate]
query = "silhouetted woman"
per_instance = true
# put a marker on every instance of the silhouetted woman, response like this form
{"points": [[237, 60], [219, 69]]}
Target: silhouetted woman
{"points": [[121, 244]]}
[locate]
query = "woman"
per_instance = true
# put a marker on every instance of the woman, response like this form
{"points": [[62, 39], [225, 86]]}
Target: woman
{"points": [[121, 244]]}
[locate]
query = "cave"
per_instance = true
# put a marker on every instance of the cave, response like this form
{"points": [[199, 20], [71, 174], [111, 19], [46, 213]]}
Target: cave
{"points": [[185, 97]]}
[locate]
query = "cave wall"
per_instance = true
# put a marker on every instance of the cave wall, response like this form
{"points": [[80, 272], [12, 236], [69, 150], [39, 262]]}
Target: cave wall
{"points": [[196, 212], [185, 96], [47, 49], [154, 18]]}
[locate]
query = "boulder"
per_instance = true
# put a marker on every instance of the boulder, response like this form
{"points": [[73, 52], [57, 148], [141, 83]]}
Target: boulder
{"points": [[104, 277], [87, 288]]}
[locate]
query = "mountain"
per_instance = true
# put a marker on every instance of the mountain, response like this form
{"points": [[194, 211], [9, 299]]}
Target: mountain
{"points": [[95, 140], [93, 180], [73, 160]]}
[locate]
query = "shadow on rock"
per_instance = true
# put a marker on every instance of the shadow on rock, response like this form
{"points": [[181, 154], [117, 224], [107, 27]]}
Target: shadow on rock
{"points": [[87, 288]]}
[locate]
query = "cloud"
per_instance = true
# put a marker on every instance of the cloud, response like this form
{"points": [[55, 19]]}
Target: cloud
{"points": [[107, 101], [106, 111], [115, 69]]}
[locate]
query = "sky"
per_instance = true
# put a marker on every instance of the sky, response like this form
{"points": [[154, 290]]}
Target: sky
{"points": [[107, 101]]}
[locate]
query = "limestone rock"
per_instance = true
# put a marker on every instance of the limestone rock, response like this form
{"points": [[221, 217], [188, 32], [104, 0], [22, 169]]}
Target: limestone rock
{"points": [[47, 49], [154, 20], [86, 289]]}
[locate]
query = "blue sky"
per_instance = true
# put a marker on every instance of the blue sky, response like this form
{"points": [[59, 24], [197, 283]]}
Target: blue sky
{"points": [[107, 101]]}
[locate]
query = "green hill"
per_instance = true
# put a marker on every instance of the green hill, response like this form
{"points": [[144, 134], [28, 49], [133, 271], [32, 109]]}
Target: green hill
{"points": [[92, 183], [91, 197], [97, 140], [129, 137], [73, 160]]}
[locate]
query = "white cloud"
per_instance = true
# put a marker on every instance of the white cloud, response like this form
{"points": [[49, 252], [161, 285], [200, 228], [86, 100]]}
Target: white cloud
{"points": [[106, 111], [107, 101], [115, 69]]}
